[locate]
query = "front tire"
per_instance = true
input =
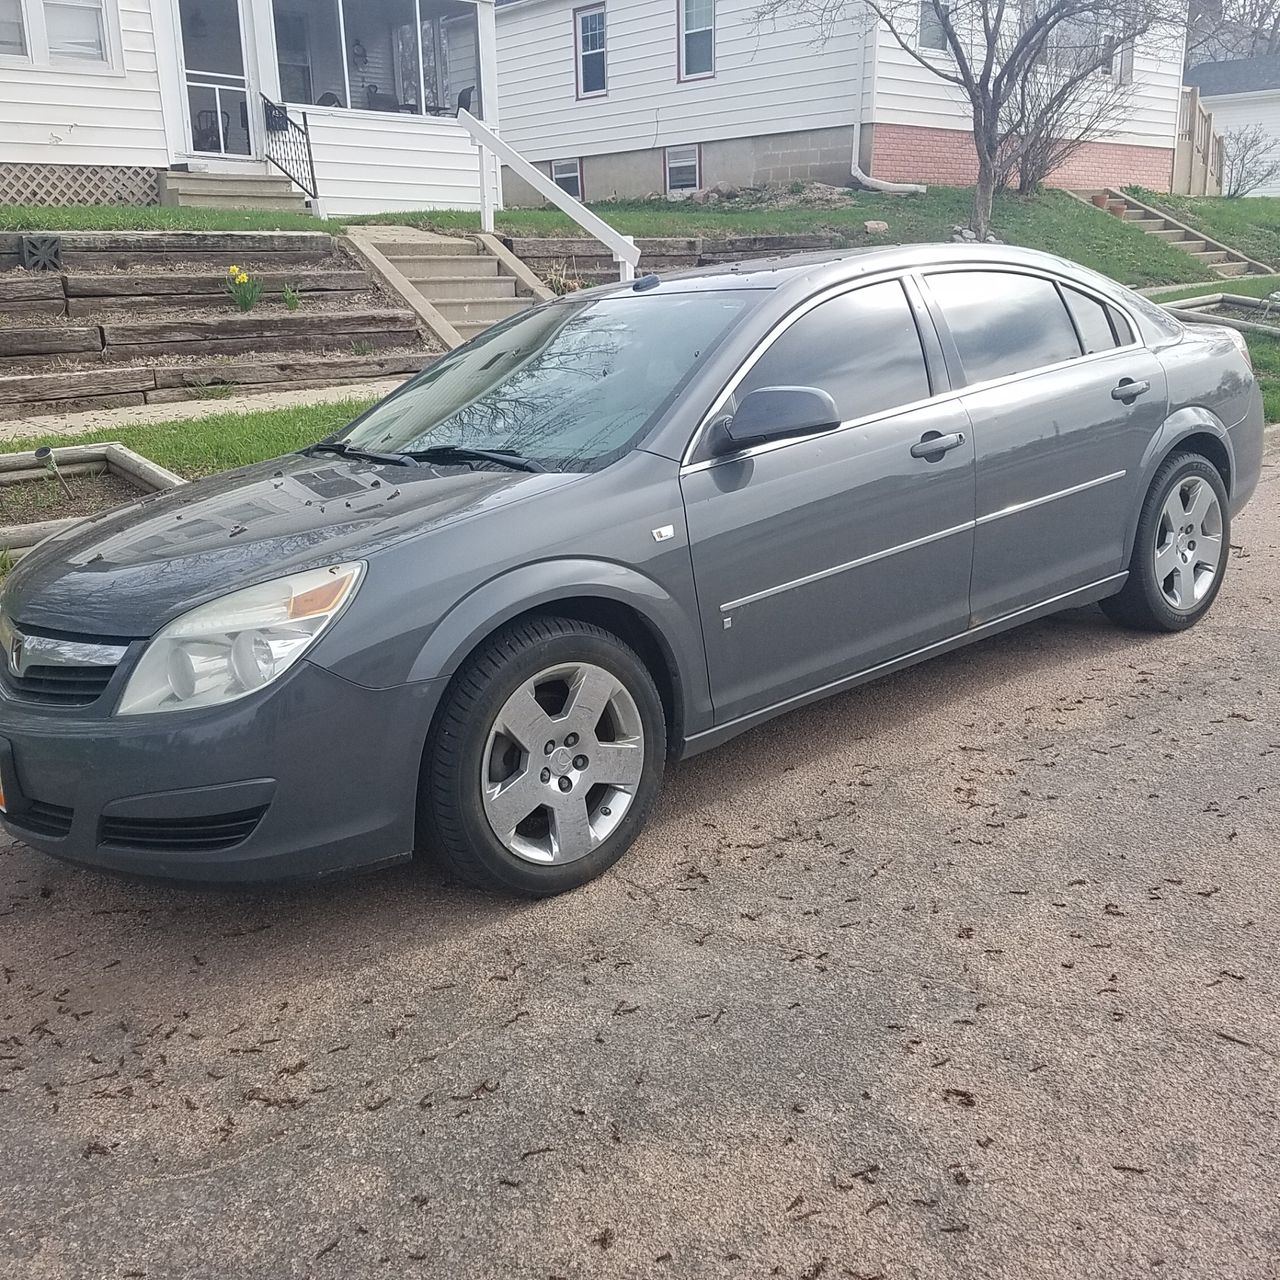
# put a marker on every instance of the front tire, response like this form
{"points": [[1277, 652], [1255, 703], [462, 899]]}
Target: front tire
{"points": [[546, 758], [1179, 551]]}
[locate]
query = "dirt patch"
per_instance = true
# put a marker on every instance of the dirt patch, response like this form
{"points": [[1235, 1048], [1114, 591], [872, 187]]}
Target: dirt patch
{"points": [[32, 500]]}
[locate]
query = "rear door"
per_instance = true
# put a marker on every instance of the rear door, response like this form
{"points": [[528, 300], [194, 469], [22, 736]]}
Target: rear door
{"points": [[818, 557], [1063, 401]]}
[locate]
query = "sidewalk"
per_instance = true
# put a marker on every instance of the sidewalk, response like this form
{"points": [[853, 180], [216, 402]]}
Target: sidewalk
{"points": [[72, 424]]}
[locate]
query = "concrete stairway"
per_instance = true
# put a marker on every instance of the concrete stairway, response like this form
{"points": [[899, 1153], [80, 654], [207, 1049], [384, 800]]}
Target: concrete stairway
{"points": [[459, 280], [196, 188], [1221, 259]]}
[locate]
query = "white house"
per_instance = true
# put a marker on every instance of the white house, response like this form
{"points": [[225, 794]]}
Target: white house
{"points": [[633, 97], [100, 98], [1239, 93]]}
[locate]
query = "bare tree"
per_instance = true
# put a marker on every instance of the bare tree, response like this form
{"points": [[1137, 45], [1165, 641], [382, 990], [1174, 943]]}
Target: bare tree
{"points": [[1024, 66], [1080, 93], [1218, 30], [1250, 159]]}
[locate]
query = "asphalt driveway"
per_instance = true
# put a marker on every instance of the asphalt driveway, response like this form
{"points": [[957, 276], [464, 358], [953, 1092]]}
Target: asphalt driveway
{"points": [[972, 972]]}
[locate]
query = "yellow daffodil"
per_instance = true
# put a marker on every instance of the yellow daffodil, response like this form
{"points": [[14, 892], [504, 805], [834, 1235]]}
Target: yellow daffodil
{"points": [[233, 270]]}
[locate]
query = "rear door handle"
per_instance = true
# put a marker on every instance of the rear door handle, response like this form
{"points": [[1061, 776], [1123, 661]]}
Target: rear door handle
{"points": [[1129, 390], [933, 444]]}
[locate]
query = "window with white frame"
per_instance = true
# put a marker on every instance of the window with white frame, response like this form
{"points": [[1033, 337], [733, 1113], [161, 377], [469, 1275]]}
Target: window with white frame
{"points": [[697, 39], [567, 175], [59, 32], [589, 29], [684, 168], [931, 34]]}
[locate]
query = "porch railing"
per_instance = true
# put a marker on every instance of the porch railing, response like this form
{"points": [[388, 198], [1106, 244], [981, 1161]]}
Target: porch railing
{"points": [[624, 250], [287, 145], [1197, 164]]}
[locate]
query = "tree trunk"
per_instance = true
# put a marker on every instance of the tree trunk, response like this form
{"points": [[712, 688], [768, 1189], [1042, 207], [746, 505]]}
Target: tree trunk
{"points": [[983, 195]]}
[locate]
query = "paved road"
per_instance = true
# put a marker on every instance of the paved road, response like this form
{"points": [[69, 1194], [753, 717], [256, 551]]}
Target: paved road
{"points": [[969, 973]]}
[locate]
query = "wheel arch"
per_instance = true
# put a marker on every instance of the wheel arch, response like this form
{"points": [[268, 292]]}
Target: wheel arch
{"points": [[1195, 430], [612, 596]]}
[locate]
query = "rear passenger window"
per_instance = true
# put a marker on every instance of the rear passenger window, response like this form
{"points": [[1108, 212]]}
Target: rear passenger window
{"points": [[1004, 322], [1092, 322], [862, 348]]}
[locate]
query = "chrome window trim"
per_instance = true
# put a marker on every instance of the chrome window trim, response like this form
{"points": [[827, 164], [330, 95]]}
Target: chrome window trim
{"points": [[901, 274]]}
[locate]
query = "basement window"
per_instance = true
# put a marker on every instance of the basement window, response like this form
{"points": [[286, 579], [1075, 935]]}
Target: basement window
{"points": [[684, 168], [567, 175]]}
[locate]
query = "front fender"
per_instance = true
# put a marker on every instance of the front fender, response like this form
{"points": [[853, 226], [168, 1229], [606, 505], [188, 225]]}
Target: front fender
{"points": [[1178, 426], [542, 584]]}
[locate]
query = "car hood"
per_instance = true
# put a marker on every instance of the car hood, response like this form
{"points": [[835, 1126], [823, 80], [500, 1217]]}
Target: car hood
{"points": [[126, 572]]}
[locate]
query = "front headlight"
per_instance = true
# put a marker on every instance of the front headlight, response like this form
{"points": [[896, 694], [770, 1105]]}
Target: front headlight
{"points": [[233, 646]]}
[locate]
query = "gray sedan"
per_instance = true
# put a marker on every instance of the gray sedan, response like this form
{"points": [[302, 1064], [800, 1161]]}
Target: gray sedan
{"points": [[609, 533]]}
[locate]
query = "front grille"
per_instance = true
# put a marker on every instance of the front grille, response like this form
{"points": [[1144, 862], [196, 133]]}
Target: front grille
{"points": [[181, 835], [43, 819], [61, 686]]}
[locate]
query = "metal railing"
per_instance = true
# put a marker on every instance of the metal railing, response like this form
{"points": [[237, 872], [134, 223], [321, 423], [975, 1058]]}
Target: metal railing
{"points": [[492, 148], [287, 145]]}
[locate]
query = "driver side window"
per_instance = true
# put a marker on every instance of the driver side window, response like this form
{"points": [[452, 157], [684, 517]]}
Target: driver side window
{"points": [[862, 348]]}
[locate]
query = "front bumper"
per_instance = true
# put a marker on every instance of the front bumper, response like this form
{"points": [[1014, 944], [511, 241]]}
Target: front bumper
{"points": [[315, 775]]}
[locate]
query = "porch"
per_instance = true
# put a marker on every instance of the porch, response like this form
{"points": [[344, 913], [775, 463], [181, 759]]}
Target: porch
{"points": [[356, 100]]}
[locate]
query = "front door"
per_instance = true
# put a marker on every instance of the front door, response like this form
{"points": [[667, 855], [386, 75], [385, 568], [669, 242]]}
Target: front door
{"points": [[819, 557], [1060, 443], [219, 109]]}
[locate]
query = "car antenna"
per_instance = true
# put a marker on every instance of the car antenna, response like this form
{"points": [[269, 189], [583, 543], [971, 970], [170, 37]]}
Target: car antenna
{"points": [[647, 281]]}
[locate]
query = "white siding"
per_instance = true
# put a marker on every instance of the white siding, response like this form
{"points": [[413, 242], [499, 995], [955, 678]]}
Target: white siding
{"points": [[373, 162], [60, 116], [769, 79], [1237, 110], [907, 93]]}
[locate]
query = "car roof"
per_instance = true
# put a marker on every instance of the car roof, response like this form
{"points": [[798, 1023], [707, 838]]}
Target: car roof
{"points": [[829, 266]]}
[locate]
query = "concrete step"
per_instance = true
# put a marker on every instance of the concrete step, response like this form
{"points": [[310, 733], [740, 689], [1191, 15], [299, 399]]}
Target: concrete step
{"points": [[462, 287], [1210, 256], [1149, 225], [1172, 234], [181, 181], [1190, 246], [432, 247], [1136, 215], [1228, 269], [469, 328], [282, 204], [483, 311], [445, 266]]}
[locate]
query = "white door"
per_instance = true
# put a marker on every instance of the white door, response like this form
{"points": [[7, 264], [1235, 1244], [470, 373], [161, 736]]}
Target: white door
{"points": [[221, 104]]}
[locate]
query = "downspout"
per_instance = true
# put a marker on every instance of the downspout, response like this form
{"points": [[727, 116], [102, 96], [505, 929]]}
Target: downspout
{"points": [[866, 181]]}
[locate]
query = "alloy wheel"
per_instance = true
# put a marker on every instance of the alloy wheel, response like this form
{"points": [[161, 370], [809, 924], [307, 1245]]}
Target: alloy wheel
{"points": [[562, 763], [1188, 550]]}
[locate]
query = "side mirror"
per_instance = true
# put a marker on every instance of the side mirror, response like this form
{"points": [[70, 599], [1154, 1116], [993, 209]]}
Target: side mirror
{"points": [[774, 413]]}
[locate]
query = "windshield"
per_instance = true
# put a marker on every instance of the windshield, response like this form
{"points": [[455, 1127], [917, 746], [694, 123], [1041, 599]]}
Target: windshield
{"points": [[571, 385]]}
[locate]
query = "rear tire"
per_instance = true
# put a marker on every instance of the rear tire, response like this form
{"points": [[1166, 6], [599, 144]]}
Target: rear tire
{"points": [[1179, 551], [545, 760]]}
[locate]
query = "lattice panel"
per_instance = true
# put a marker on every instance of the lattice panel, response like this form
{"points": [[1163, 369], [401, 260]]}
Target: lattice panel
{"points": [[58, 184]]}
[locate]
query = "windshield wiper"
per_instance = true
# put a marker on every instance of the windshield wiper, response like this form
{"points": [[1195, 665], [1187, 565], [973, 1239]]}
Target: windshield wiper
{"points": [[345, 450], [462, 453]]}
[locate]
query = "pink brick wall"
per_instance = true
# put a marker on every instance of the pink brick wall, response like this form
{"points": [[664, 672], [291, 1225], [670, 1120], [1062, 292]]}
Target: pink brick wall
{"points": [[910, 153]]}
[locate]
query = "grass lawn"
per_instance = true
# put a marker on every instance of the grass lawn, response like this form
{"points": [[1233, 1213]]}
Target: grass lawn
{"points": [[1250, 224], [203, 446], [1051, 221], [1266, 364]]}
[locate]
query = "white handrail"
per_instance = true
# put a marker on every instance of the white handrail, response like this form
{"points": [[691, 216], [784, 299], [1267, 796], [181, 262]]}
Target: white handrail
{"points": [[624, 250]]}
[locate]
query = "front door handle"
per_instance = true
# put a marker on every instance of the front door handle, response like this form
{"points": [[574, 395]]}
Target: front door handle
{"points": [[933, 444], [1129, 390]]}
